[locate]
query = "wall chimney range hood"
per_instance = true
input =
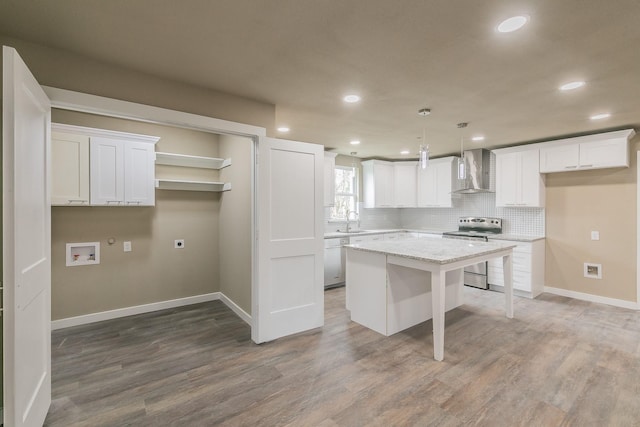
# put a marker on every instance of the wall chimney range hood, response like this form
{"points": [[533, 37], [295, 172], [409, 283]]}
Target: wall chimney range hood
{"points": [[478, 172]]}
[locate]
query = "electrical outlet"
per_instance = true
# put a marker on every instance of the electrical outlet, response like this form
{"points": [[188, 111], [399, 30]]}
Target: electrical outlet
{"points": [[592, 271], [178, 244], [127, 246]]}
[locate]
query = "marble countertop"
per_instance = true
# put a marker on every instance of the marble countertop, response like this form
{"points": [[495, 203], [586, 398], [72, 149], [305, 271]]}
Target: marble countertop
{"points": [[439, 251], [516, 237], [511, 237], [335, 234]]}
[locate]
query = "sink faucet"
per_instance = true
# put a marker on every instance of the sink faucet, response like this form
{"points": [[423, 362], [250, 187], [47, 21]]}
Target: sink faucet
{"points": [[349, 219]]}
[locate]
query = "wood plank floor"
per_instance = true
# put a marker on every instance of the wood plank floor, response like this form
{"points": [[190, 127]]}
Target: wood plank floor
{"points": [[559, 362]]}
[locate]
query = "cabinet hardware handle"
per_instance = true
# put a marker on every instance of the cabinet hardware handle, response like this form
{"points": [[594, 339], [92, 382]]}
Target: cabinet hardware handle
{"points": [[77, 201], [586, 166], [112, 201], [570, 167]]}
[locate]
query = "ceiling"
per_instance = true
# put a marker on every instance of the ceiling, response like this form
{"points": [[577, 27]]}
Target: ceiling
{"points": [[303, 56]]}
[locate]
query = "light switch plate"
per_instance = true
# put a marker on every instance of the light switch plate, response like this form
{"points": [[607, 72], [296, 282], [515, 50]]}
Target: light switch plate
{"points": [[127, 246], [595, 235]]}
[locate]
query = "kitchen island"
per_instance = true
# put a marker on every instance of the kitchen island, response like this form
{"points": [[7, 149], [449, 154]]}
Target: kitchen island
{"points": [[393, 285]]}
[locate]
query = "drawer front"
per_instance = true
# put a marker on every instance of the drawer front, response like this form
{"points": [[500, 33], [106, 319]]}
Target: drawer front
{"points": [[523, 247], [521, 262]]}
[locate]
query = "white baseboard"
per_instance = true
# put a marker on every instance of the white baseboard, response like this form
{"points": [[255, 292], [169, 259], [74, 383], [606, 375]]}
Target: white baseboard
{"points": [[592, 298], [147, 308], [236, 309]]}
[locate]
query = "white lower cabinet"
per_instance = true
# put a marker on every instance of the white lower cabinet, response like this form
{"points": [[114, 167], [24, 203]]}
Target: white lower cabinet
{"points": [[528, 268]]}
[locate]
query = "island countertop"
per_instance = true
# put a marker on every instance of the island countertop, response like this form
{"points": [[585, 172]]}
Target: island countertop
{"points": [[438, 251]]}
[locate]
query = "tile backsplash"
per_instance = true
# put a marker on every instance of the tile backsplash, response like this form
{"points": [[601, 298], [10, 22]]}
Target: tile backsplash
{"points": [[523, 221]]}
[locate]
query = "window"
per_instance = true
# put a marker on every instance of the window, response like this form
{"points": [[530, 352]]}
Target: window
{"points": [[346, 182]]}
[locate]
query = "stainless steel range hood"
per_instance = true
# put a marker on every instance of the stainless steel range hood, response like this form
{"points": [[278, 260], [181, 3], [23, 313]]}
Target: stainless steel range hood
{"points": [[478, 172]]}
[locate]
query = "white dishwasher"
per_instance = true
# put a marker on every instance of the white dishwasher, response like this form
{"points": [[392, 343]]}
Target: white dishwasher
{"points": [[334, 261]]}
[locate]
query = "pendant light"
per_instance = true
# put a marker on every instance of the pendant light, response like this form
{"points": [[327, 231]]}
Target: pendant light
{"points": [[462, 167], [423, 153]]}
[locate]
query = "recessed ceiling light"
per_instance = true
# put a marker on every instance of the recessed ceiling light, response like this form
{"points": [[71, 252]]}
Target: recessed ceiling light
{"points": [[283, 129], [351, 98], [600, 116], [572, 85], [354, 142], [405, 152], [478, 138], [512, 24]]}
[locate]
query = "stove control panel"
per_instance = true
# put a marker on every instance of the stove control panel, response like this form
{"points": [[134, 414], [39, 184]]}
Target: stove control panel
{"points": [[480, 224]]}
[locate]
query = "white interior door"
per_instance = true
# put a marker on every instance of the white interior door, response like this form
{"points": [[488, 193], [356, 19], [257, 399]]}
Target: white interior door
{"points": [[289, 291], [26, 222]]}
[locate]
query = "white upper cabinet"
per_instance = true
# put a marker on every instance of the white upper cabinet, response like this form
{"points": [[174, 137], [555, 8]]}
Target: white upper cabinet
{"points": [[606, 150], [122, 172], [139, 174], [434, 184], [70, 168], [329, 179], [405, 184], [101, 167], [107, 171], [518, 179], [378, 177]]}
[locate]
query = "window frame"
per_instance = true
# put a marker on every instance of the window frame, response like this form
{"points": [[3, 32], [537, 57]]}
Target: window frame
{"points": [[354, 194]]}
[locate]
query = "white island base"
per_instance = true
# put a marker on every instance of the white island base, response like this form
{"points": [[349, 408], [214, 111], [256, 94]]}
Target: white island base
{"points": [[385, 295], [406, 302]]}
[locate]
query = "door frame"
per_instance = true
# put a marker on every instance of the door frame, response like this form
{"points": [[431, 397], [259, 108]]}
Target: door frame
{"points": [[637, 230], [76, 101]]}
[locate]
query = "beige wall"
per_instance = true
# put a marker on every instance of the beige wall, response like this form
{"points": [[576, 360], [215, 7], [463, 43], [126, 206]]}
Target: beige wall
{"points": [[62, 69], [154, 271], [598, 200], [235, 222]]}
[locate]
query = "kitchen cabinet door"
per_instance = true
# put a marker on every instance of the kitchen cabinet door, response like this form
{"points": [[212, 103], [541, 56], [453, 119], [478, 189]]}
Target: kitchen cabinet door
{"points": [[518, 179], [604, 154], [434, 184], [405, 184], [122, 172], [378, 186], [139, 174], [528, 268], [69, 169], [608, 152], [107, 171], [559, 158]]}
